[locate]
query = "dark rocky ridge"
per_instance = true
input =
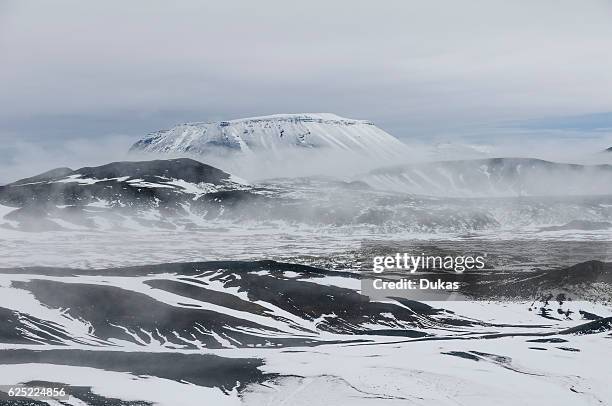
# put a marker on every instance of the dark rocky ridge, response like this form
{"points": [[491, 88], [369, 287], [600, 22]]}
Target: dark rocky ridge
{"points": [[110, 182]]}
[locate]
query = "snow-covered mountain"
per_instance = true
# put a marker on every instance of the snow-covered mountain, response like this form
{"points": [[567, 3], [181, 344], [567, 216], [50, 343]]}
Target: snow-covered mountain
{"points": [[273, 134]]}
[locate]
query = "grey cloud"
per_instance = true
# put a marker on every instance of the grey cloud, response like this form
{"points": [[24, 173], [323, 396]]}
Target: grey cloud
{"points": [[105, 73]]}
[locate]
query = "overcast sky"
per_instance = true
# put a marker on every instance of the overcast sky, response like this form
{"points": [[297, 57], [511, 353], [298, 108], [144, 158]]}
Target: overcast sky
{"points": [[79, 70]]}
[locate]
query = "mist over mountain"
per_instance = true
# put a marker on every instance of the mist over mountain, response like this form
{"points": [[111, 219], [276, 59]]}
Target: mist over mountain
{"points": [[496, 177], [245, 325], [184, 194]]}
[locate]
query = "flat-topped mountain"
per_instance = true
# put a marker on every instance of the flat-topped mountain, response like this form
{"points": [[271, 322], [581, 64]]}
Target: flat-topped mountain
{"points": [[275, 133]]}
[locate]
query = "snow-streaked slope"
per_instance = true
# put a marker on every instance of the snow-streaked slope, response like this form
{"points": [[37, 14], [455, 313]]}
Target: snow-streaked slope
{"points": [[242, 304], [200, 305], [261, 333], [276, 134]]}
